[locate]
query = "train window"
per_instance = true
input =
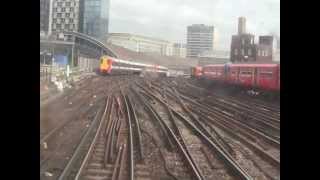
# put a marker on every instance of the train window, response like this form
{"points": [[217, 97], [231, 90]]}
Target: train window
{"points": [[235, 51], [249, 52], [233, 72], [266, 74], [246, 72], [242, 52]]}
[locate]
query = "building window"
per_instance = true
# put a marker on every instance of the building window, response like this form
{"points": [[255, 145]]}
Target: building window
{"points": [[266, 52], [259, 53], [62, 20], [242, 52], [68, 3], [63, 9], [71, 20], [58, 14], [249, 52], [71, 8], [242, 40], [235, 51]]}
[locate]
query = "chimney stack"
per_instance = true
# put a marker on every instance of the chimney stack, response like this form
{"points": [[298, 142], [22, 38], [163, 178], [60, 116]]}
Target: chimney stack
{"points": [[242, 25]]}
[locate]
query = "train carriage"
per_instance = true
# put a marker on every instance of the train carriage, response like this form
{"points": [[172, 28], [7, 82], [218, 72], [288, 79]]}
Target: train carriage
{"points": [[196, 72], [214, 72], [261, 76], [109, 65], [268, 76]]}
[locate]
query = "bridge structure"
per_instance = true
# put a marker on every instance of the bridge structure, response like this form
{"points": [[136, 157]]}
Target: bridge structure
{"points": [[74, 46]]}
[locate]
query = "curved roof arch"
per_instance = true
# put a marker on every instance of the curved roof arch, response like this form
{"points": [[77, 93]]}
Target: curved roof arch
{"points": [[94, 41]]}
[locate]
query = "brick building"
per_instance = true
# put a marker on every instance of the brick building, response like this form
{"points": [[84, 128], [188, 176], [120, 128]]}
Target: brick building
{"points": [[244, 49]]}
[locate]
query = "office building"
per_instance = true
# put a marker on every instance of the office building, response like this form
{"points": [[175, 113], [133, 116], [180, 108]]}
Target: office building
{"points": [[179, 50], [65, 16], [199, 38], [139, 43], [44, 15], [94, 18]]}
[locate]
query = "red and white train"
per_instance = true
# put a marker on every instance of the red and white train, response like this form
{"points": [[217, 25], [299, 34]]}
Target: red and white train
{"points": [[261, 76], [112, 66]]}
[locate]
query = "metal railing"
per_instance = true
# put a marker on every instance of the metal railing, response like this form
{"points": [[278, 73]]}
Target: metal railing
{"points": [[50, 72]]}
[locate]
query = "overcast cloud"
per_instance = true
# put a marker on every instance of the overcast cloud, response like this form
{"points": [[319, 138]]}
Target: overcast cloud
{"points": [[168, 19]]}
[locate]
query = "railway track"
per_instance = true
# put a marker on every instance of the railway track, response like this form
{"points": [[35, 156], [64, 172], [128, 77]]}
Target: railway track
{"points": [[256, 125], [159, 129], [116, 152], [196, 158], [266, 156], [262, 108]]}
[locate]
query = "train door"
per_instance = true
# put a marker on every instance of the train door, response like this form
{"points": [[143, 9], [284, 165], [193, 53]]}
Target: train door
{"points": [[255, 77]]}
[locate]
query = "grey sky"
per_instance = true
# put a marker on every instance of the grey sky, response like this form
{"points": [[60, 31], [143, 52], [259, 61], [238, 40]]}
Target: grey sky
{"points": [[168, 19]]}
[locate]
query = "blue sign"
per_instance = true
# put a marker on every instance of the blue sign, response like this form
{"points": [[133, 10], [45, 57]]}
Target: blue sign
{"points": [[61, 59]]}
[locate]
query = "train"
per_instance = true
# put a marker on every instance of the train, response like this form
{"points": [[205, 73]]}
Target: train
{"points": [[264, 77], [114, 66]]}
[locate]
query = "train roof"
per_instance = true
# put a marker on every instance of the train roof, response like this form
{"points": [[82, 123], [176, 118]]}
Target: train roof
{"points": [[253, 65], [136, 63], [214, 65]]}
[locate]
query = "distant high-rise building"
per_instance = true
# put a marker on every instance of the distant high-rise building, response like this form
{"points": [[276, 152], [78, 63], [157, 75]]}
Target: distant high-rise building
{"points": [[179, 50], [141, 43], [94, 17], [199, 38], [44, 15], [65, 16], [242, 25]]}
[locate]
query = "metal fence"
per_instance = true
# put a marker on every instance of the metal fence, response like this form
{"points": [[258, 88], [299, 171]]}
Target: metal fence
{"points": [[55, 71]]}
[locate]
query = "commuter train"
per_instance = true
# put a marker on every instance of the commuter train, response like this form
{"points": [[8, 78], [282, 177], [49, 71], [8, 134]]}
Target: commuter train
{"points": [[113, 66], [260, 76]]}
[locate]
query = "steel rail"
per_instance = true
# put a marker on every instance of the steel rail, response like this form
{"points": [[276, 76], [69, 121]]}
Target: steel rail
{"points": [[228, 150], [161, 154], [131, 163], [236, 101], [173, 121], [231, 163], [260, 124], [84, 162], [266, 121], [241, 103], [220, 115], [227, 128], [178, 143], [84, 139], [115, 173], [170, 145], [137, 129]]}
